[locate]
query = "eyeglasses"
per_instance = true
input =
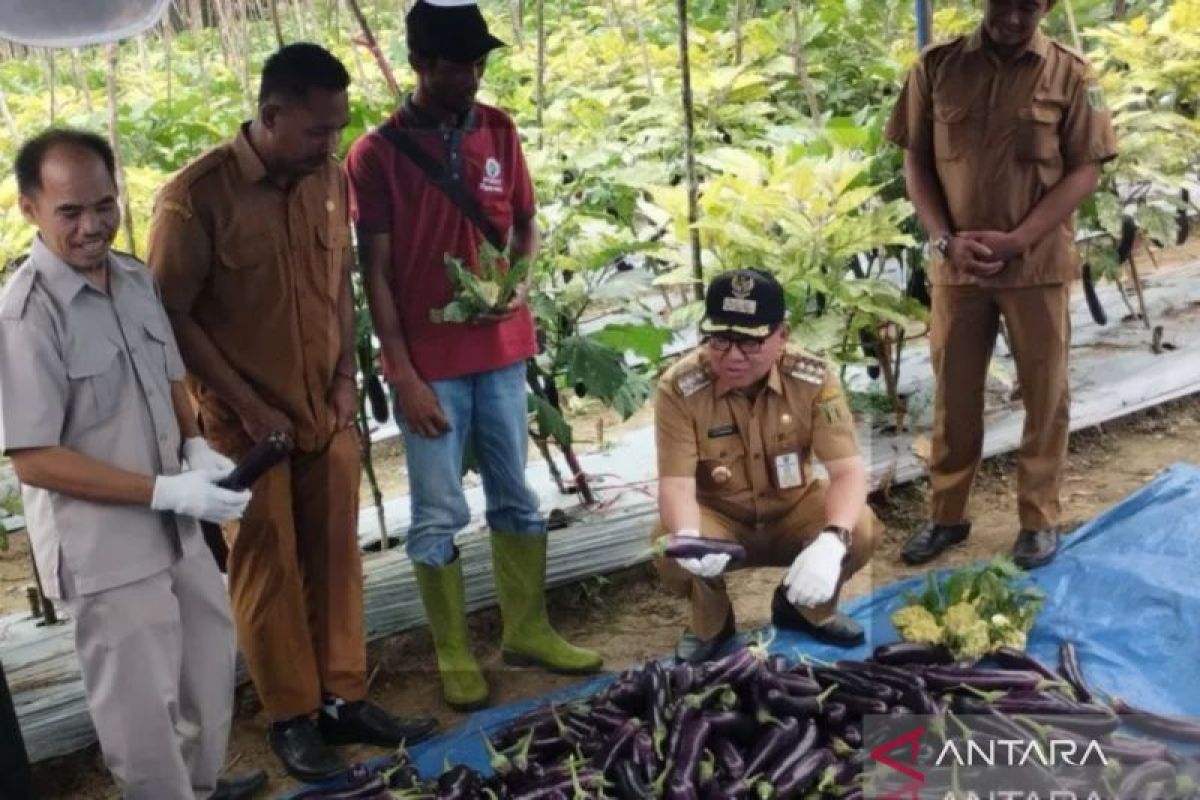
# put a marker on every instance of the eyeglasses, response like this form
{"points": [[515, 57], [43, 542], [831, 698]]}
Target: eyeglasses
{"points": [[749, 345]]}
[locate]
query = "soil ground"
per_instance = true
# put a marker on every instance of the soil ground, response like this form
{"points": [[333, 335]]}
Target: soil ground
{"points": [[629, 618]]}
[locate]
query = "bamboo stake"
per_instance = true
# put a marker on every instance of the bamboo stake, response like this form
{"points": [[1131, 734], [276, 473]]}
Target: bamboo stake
{"points": [[514, 10], [810, 93], [114, 134], [641, 36], [368, 40], [167, 36], [275, 23], [689, 144], [52, 80], [541, 71], [737, 32], [81, 84], [9, 120]]}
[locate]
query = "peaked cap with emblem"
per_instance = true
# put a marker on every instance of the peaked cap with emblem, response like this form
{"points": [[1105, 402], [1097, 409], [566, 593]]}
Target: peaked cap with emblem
{"points": [[748, 302]]}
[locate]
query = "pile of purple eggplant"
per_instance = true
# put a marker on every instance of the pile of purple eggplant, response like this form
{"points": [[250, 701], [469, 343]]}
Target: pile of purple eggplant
{"points": [[754, 726]]}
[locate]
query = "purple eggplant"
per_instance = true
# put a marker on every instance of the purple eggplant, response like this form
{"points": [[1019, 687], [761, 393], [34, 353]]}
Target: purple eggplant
{"points": [[686, 759], [785, 705], [374, 789], [774, 742], [901, 653], [1135, 781], [1133, 750], [859, 705], [618, 742], [630, 784], [807, 741], [729, 759], [1012, 658], [803, 775], [699, 547], [1184, 729], [735, 725], [834, 713], [942, 678], [1069, 664], [460, 782]]}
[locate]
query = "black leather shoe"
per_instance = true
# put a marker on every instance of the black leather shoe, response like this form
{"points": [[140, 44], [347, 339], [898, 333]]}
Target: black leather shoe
{"points": [[366, 723], [305, 755], [930, 540], [840, 630], [239, 787], [692, 649], [1035, 548]]}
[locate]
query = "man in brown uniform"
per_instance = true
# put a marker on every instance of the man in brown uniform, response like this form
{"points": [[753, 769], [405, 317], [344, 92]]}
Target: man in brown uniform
{"points": [[1004, 133], [251, 248], [736, 424]]}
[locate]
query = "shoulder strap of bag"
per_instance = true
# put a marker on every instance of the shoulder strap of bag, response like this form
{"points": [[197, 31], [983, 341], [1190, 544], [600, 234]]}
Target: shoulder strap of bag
{"points": [[452, 187]]}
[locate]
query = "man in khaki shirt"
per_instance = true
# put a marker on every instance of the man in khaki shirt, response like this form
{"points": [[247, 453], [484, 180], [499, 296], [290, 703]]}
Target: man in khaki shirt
{"points": [[96, 420], [251, 247], [736, 424], [1004, 133]]}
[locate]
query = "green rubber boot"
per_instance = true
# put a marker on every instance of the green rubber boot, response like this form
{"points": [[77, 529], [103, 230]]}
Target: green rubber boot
{"points": [[520, 565], [463, 685]]}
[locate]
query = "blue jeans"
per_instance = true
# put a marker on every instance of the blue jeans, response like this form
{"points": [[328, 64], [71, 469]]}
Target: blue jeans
{"points": [[491, 409]]}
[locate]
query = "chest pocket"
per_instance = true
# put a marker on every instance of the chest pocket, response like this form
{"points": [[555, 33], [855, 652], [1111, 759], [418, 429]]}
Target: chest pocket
{"points": [[247, 276], [97, 376], [156, 341], [950, 132], [722, 467], [1037, 133], [332, 241]]}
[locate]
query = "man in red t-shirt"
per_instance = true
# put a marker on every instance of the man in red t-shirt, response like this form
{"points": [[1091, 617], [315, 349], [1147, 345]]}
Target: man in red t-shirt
{"points": [[457, 382]]}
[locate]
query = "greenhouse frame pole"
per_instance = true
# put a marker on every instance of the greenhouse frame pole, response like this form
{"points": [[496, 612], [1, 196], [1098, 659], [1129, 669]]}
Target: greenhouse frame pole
{"points": [[921, 9]]}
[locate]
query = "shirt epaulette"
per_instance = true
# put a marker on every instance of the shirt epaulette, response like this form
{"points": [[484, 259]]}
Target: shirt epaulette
{"points": [[15, 296], [175, 194], [803, 366]]}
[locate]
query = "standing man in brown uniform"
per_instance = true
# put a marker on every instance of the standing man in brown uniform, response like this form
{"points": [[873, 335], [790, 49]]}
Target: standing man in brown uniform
{"points": [[251, 248], [736, 425], [1004, 132]]}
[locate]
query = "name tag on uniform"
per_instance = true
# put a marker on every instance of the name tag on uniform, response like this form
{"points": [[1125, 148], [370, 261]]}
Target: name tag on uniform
{"points": [[787, 471], [722, 430]]}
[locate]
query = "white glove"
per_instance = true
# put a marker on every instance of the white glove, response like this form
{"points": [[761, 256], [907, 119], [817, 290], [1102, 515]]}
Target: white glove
{"points": [[813, 576], [196, 494], [709, 566], [199, 455]]}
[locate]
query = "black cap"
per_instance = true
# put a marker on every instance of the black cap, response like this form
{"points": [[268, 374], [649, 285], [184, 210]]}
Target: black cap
{"points": [[748, 302], [450, 29]]}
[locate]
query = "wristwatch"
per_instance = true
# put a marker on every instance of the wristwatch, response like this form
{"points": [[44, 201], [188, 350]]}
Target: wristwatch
{"points": [[942, 244], [840, 532]]}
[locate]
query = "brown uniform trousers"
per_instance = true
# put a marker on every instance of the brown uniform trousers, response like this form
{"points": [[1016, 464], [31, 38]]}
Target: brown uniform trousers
{"points": [[1002, 134], [262, 270], [730, 443]]}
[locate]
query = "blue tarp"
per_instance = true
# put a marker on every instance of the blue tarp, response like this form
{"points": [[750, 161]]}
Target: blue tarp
{"points": [[1125, 588]]}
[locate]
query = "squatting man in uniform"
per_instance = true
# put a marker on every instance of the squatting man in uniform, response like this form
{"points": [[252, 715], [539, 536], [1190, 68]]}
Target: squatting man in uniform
{"points": [[96, 420], [1004, 132], [736, 424]]}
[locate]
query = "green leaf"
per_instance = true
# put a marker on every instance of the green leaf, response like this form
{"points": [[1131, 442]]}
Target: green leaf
{"points": [[598, 367], [548, 420], [646, 340]]}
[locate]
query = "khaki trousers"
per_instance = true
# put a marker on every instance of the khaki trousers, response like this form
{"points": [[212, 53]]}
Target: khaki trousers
{"points": [[963, 330]]}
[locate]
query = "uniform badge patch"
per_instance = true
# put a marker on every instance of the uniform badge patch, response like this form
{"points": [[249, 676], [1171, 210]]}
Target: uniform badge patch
{"points": [[722, 430], [692, 381]]}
